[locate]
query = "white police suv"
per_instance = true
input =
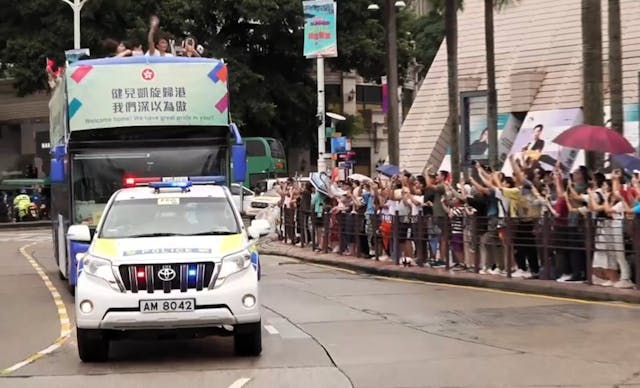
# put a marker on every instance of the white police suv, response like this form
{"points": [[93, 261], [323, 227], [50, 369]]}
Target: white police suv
{"points": [[170, 259]]}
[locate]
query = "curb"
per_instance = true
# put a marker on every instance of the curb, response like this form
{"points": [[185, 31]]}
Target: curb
{"points": [[26, 225], [537, 287]]}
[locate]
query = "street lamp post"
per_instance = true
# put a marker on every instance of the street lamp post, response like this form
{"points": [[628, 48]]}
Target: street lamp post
{"points": [[76, 5]]}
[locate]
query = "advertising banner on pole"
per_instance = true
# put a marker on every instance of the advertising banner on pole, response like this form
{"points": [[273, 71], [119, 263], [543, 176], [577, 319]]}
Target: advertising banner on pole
{"points": [[320, 36], [385, 94]]}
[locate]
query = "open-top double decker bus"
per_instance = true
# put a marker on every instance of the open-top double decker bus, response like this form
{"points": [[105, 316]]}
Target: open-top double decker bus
{"points": [[116, 121]]}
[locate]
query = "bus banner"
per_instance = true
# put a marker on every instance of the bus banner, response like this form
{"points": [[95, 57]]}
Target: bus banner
{"points": [[147, 94]]}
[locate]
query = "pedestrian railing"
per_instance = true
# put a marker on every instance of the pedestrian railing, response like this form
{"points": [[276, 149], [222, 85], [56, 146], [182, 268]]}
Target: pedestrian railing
{"points": [[547, 247]]}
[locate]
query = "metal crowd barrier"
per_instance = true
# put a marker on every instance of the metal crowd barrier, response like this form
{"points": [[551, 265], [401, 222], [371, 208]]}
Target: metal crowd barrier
{"points": [[546, 243]]}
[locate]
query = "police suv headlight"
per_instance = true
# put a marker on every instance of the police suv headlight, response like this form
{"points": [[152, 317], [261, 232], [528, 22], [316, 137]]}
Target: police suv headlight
{"points": [[100, 268], [233, 264]]}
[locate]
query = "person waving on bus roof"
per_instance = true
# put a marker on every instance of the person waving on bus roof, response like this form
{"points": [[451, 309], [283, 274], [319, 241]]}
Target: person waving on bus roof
{"points": [[160, 48]]}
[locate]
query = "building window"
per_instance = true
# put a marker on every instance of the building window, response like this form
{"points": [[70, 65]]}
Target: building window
{"points": [[333, 97], [369, 94]]}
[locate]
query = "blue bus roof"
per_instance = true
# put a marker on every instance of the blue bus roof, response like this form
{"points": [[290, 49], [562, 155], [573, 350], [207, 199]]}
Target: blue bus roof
{"points": [[141, 59]]}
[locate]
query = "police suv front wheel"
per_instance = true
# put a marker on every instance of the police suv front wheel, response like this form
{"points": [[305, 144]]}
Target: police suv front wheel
{"points": [[247, 339], [93, 346]]}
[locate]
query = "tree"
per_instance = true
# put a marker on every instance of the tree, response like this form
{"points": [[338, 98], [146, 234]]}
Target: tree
{"points": [[361, 39], [615, 67], [451, 32], [492, 96], [428, 32], [592, 68], [272, 92]]}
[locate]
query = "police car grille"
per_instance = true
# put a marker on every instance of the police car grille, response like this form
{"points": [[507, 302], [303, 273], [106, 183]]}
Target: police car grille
{"points": [[147, 278]]}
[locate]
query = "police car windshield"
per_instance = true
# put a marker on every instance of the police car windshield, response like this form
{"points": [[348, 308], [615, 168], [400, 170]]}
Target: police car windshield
{"points": [[169, 216]]}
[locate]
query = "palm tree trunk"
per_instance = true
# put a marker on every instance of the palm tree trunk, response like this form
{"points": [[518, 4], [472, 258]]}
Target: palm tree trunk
{"points": [[615, 67], [592, 69], [451, 33], [492, 98]]}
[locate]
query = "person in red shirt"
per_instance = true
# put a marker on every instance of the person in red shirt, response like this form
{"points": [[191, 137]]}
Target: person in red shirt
{"points": [[560, 212]]}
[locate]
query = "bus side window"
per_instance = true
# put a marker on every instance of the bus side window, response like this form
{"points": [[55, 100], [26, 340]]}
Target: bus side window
{"points": [[256, 148]]}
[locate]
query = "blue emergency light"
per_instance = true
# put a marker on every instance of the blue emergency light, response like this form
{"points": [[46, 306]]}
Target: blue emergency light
{"points": [[170, 185], [210, 180], [174, 182]]}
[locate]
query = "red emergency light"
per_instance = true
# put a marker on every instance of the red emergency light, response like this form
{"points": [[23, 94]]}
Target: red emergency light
{"points": [[139, 181]]}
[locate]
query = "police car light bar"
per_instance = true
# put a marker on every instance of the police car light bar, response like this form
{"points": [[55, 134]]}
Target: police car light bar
{"points": [[194, 180], [170, 185], [142, 181], [208, 180]]}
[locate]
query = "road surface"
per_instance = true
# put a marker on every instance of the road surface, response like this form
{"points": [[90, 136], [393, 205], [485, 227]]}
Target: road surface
{"points": [[330, 328]]}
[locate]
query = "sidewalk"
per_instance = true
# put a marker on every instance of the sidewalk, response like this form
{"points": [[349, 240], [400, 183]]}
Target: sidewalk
{"points": [[388, 269], [26, 225]]}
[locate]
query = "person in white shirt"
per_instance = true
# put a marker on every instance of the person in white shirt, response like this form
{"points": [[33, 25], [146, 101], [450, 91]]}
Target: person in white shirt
{"points": [[157, 49]]}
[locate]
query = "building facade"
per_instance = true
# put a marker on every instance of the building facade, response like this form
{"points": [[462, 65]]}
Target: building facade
{"points": [[538, 50], [24, 134]]}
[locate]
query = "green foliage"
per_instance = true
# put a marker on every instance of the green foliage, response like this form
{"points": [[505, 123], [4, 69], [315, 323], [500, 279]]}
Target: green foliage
{"points": [[352, 126], [361, 39], [272, 92], [428, 32]]}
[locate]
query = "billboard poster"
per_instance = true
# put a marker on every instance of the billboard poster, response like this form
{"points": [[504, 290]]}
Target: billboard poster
{"points": [[533, 146], [508, 126], [104, 94], [320, 32]]}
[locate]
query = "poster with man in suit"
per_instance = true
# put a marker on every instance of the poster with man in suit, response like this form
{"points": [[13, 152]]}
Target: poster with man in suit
{"points": [[534, 148]]}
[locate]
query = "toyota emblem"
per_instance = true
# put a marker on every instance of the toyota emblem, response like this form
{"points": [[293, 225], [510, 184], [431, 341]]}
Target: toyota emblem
{"points": [[166, 274]]}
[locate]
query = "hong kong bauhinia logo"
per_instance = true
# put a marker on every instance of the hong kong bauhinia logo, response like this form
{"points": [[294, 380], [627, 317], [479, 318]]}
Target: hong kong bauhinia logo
{"points": [[148, 74]]}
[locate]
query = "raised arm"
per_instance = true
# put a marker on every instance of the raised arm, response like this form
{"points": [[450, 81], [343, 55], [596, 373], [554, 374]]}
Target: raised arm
{"points": [[155, 23], [446, 208], [480, 188], [486, 178], [594, 206], [517, 171]]}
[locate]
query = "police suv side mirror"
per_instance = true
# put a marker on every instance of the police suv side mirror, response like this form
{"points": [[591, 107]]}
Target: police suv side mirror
{"points": [[259, 229], [79, 233]]}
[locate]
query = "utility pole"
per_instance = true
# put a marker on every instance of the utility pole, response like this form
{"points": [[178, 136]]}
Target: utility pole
{"points": [[322, 162], [393, 115], [76, 5]]}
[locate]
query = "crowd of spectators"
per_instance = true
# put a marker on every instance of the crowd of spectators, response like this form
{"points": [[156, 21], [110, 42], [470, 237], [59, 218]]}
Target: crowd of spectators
{"points": [[579, 224], [159, 44]]}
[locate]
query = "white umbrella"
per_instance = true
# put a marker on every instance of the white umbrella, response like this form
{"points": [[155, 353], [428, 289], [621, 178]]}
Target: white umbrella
{"points": [[359, 177]]}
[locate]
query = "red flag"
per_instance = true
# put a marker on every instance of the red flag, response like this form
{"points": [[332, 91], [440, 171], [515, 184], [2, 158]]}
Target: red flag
{"points": [[51, 64]]}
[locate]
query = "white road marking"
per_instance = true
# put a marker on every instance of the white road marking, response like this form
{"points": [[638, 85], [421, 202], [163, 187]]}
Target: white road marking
{"points": [[241, 382], [272, 330], [63, 317]]}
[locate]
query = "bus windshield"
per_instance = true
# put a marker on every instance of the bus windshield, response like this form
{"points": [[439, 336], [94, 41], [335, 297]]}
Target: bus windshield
{"points": [[97, 174]]}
